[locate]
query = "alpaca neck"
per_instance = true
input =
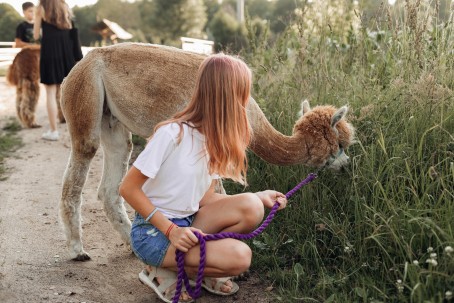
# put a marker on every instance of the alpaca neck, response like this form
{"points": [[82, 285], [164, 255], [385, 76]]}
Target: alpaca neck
{"points": [[271, 145]]}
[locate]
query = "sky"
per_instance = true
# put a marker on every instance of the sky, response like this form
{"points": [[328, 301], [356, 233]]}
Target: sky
{"points": [[17, 4]]}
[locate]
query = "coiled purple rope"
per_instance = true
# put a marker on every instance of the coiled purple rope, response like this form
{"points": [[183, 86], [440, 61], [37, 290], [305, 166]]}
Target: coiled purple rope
{"points": [[183, 277]]}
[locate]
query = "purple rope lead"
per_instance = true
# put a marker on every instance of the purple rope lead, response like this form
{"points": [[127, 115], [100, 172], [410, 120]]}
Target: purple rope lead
{"points": [[183, 277]]}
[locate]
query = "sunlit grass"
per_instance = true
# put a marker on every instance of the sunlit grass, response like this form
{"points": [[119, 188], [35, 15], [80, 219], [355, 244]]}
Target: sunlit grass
{"points": [[368, 234]]}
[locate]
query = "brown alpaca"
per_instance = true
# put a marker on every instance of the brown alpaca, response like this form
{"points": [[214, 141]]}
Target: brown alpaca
{"points": [[24, 74], [130, 87]]}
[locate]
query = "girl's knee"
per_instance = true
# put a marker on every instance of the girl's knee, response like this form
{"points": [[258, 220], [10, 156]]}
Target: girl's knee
{"points": [[253, 209], [242, 256]]}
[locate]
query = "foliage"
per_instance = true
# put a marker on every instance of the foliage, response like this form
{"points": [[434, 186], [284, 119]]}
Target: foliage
{"points": [[9, 141], [382, 230], [284, 12], [85, 18], [174, 19], [9, 20], [227, 32]]}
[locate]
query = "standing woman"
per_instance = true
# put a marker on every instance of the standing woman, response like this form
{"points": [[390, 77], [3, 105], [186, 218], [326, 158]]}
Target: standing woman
{"points": [[171, 185], [57, 58]]}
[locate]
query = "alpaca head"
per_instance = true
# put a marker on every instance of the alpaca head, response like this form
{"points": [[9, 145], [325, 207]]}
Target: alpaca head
{"points": [[326, 134]]}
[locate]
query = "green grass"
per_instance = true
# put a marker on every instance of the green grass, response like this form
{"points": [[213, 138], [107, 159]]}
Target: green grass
{"points": [[9, 142], [394, 205]]}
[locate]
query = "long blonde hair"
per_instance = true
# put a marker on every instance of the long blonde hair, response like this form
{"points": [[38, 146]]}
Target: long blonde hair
{"points": [[218, 110], [56, 12]]}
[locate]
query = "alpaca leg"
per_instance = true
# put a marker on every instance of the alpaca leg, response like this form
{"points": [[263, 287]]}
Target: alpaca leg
{"points": [[18, 105], [60, 115], [30, 96], [82, 153], [82, 101], [117, 145]]}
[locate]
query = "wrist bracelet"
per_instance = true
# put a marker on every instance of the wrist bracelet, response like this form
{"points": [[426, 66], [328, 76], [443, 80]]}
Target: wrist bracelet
{"points": [[151, 214], [169, 229]]}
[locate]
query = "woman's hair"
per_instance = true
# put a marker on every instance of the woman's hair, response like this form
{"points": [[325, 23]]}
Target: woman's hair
{"points": [[56, 12], [218, 110]]}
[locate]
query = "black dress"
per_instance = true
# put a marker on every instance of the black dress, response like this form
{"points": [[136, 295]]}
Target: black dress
{"points": [[57, 56]]}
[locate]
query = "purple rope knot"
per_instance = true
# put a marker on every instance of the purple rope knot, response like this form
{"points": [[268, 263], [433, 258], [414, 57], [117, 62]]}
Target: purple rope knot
{"points": [[194, 292]]}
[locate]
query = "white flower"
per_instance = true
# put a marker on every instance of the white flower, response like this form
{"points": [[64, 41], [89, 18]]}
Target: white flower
{"points": [[399, 281], [432, 261], [347, 249], [448, 295], [449, 250], [416, 262], [433, 255], [430, 249]]}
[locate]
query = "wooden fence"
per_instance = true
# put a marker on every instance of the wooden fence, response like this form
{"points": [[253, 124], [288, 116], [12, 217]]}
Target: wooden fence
{"points": [[8, 52]]}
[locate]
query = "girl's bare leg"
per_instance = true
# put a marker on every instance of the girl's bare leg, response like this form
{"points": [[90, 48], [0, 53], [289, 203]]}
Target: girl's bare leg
{"points": [[227, 257]]}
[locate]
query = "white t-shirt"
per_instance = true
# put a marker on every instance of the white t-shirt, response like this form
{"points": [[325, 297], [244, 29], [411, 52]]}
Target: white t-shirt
{"points": [[178, 173]]}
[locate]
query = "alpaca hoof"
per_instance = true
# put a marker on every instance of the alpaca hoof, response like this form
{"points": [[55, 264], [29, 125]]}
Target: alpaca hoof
{"points": [[82, 257]]}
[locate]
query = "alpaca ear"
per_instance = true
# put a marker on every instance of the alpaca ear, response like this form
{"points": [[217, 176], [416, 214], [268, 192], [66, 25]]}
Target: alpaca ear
{"points": [[305, 107], [338, 115]]}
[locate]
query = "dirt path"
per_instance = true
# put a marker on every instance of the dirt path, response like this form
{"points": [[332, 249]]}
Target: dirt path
{"points": [[34, 263]]}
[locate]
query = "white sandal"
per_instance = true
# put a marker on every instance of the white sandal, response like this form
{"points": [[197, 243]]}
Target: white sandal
{"points": [[208, 285], [169, 278]]}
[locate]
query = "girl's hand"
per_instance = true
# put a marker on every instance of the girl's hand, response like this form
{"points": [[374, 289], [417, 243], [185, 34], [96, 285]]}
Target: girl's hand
{"points": [[183, 238], [269, 197]]}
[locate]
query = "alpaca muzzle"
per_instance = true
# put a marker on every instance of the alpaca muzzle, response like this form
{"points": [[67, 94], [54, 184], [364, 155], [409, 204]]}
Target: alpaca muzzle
{"points": [[337, 161]]}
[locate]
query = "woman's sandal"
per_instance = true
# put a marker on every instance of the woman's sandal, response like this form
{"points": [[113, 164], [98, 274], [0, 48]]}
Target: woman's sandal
{"points": [[169, 278], [218, 283]]}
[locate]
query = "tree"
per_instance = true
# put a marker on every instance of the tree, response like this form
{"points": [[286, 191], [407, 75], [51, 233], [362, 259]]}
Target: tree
{"points": [[284, 13], [227, 32], [172, 19], [259, 8], [146, 10], [85, 19], [212, 6], [126, 14], [9, 20]]}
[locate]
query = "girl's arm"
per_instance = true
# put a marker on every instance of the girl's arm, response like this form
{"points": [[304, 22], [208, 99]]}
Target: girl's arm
{"points": [[37, 23], [131, 191]]}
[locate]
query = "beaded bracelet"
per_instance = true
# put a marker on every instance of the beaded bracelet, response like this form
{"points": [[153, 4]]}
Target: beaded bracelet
{"points": [[151, 215]]}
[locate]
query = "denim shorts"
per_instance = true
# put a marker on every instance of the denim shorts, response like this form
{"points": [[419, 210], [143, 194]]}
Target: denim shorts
{"points": [[149, 243]]}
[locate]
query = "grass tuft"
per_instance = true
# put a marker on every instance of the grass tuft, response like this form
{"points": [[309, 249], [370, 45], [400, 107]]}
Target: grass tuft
{"points": [[9, 142]]}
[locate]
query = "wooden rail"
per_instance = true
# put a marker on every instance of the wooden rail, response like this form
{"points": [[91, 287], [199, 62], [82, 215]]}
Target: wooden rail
{"points": [[8, 53]]}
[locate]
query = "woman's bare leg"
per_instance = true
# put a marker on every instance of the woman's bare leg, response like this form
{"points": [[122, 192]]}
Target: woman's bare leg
{"points": [[51, 98]]}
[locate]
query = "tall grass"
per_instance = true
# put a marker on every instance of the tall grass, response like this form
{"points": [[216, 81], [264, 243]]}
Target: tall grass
{"points": [[382, 230]]}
